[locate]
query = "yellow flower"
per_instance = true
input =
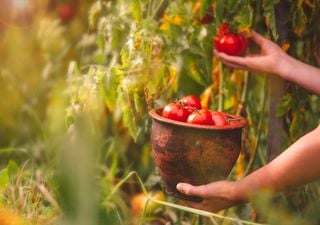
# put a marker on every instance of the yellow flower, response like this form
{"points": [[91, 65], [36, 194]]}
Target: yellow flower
{"points": [[177, 20], [165, 26]]}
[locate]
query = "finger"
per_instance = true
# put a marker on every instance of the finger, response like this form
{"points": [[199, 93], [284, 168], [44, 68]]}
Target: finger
{"points": [[238, 60], [232, 61], [258, 39], [233, 65], [188, 189]]}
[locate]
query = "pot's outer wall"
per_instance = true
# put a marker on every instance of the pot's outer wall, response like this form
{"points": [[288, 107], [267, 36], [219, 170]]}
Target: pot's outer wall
{"points": [[192, 155]]}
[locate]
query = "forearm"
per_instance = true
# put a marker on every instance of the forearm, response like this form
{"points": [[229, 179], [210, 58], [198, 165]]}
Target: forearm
{"points": [[298, 165], [300, 73]]}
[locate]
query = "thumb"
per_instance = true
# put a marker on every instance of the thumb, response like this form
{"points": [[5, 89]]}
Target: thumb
{"points": [[189, 189]]}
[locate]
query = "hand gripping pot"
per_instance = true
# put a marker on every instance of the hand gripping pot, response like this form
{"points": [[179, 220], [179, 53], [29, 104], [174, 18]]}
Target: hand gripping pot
{"points": [[195, 154]]}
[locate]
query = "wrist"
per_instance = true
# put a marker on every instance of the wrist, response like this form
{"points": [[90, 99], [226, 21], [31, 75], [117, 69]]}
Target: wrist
{"points": [[284, 65], [238, 195]]}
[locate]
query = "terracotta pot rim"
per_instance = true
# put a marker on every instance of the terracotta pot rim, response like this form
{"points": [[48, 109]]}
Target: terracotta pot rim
{"points": [[156, 114]]}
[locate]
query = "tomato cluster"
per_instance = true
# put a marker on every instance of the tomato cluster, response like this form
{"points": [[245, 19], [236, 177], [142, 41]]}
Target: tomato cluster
{"points": [[189, 109], [230, 42]]}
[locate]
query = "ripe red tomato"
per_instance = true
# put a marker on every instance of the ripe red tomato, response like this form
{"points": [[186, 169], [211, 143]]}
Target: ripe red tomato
{"points": [[243, 43], [139, 201], [66, 12], [175, 111], [228, 44], [190, 102], [224, 29], [218, 118], [202, 116]]}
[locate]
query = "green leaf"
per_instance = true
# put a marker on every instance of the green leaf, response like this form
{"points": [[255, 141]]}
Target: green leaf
{"points": [[284, 106], [219, 12], [100, 42], [128, 115], [137, 10], [138, 102], [245, 16], [205, 7], [269, 14], [299, 22], [4, 178], [111, 82], [94, 14], [13, 170]]}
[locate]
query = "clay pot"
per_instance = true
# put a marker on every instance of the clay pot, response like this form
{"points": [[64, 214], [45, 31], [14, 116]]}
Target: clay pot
{"points": [[196, 154]]}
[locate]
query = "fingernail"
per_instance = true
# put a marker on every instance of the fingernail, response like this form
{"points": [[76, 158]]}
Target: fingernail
{"points": [[180, 187]]}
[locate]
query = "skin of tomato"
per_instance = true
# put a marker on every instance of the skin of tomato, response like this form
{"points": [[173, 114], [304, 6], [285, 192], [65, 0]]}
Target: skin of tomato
{"points": [[190, 102], [202, 117], [229, 44], [66, 12], [174, 111], [139, 200], [224, 29], [218, 118], [243, 43]]}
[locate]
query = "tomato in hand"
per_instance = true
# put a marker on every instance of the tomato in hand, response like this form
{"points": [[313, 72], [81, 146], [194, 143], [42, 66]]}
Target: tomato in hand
{"points": [[228, 44], [175, 111], [190, 102], [202, 117], [218, 118], [243, 43], [224, 29]]}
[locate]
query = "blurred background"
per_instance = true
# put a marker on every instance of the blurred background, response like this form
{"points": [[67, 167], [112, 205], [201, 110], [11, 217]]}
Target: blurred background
{"points": [[77, 79]]}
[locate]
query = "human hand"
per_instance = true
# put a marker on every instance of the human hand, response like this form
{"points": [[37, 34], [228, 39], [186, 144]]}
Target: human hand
{"points": [[270, 59], [216, 195]]}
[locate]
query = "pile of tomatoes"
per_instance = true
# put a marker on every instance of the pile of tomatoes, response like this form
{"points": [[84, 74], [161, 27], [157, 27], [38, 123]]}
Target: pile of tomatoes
{"points": [[230, 42], [189, 109]]}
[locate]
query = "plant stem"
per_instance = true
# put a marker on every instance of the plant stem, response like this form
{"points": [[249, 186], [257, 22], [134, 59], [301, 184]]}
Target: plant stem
{"points": [[244, 93], [117, 187], [202, 212], [258, 132], [156, 9], [221, 94]]}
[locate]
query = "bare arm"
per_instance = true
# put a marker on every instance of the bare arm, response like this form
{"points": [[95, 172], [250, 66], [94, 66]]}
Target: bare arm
{"points": [[298, 165], [272, 59]]}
